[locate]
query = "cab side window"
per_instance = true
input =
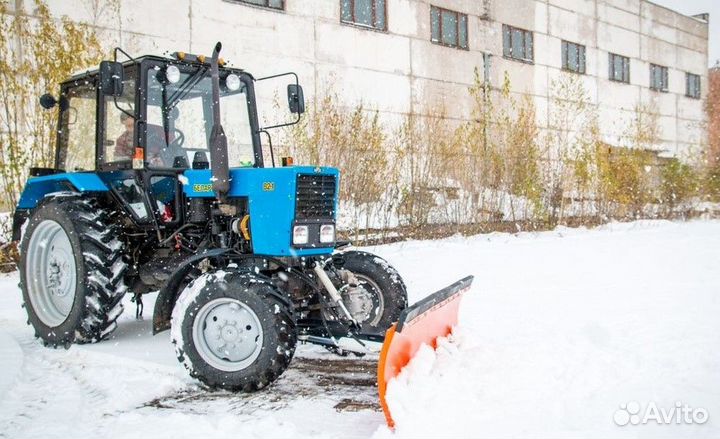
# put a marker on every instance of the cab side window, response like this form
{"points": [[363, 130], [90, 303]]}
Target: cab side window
{"points": [[119, 143], [77, 129]]}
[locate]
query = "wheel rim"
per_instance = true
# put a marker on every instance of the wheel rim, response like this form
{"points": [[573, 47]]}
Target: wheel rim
{"points": [[50, 273], [227, 334], [369, 294]]}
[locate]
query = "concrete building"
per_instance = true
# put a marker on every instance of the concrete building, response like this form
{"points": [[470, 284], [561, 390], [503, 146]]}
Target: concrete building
{"points": [[403, 56]]}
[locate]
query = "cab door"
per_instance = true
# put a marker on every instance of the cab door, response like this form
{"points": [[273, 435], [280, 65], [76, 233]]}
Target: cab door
{"points": [[77, 127], [118, 130], [118, 139]]}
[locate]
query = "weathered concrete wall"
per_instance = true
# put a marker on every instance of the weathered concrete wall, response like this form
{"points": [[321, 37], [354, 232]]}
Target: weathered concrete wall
{"points": [[400, 71]]}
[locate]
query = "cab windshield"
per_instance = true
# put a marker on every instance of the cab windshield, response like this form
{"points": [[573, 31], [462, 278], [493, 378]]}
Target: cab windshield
{"points": [[180, 119]]}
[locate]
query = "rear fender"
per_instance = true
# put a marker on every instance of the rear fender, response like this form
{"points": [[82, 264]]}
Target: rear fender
{"points": [[38, 188]]}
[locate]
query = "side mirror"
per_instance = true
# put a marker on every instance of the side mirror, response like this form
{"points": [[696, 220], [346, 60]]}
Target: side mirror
{"points": [[296, 98], [48, 101], [111, 78]]}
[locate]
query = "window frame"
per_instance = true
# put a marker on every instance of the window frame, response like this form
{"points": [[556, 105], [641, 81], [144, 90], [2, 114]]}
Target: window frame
{"points": [[625, 69], [129, 174], [509, 53], [63, 130], [265, 6], [581, 55], [698, 79], [664, 78], [131, 74], [353, 22], [457, 14], [149, 64]]}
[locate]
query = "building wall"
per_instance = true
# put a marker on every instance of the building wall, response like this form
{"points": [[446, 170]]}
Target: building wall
{"points": [[400, 70], [713, 111]]}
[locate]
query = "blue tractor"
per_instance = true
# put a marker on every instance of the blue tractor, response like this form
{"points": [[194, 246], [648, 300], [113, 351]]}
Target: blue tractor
{"points": [[150, 192]]}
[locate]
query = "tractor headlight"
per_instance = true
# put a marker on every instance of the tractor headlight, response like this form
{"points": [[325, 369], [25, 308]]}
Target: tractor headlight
{"points": [[172, 73], [232, 82], [300, 235], [327, 233]]}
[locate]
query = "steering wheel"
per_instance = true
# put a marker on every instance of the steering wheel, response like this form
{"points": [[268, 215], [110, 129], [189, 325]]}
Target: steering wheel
{"points": [[166, 154], [178, 138]]}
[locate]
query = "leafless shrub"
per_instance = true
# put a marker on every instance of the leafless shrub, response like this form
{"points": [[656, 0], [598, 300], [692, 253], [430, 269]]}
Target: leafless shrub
{"points": [[430, 174], [351, 139]]}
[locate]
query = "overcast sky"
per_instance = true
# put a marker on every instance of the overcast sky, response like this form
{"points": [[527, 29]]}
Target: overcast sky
{"points": [[693, 7]]}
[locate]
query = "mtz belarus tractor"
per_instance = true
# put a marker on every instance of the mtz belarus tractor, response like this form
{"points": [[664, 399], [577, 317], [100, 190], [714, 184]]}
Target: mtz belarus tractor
{"points": [[150, 192]]}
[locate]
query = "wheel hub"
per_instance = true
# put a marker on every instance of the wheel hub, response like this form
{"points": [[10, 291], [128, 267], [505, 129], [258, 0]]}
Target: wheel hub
{"points": [[227, 334], [58, 276], [364, 300], [360, 302], [230, 333]]}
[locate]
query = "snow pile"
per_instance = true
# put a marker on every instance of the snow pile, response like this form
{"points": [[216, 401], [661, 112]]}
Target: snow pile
{"points": [[424, 399], [568, 328]]}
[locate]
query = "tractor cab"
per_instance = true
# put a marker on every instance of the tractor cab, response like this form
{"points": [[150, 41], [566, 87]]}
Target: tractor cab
{"points": [[140, 124], [150, 113], [156, 113], [151, 119]]}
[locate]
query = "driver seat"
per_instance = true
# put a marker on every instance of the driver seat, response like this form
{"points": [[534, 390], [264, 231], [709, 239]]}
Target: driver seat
{"points": [[180, 162]]}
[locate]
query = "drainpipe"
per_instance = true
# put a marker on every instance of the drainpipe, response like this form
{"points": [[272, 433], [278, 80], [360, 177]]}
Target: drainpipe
{"points": [[487, 59]]}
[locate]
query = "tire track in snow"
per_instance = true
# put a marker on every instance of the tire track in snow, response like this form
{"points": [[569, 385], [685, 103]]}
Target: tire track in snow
{"points": [[345, 384], [71, 390], [45, 393]]}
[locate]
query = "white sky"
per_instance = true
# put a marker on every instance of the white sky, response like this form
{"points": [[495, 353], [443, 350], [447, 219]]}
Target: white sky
{"points": [[693, 7]]}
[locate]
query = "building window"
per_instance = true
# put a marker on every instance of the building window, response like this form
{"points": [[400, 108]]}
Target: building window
{"points": [[275, 4], [573, 57], [619, 68], [449, 28], [367, 13], [517, 43], [658, 78], [692, 85]]}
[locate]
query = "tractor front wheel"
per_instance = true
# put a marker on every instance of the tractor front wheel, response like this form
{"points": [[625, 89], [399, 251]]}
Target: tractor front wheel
{"points": [[233, 330], [377, 294]]}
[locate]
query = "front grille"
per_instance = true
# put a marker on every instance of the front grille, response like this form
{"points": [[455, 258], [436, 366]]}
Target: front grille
{"points": [[315, 197]]}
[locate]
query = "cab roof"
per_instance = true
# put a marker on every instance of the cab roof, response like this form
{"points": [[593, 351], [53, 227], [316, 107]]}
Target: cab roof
{"points": [[91, 74]]}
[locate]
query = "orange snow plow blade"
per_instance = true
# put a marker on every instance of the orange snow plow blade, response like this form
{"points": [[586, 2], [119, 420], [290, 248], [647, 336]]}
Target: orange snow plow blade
{"points": [[421, 323]]}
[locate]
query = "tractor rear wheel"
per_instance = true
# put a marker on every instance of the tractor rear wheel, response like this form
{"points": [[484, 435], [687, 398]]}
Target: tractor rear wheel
{"points": [[233, 330], [71, 271]]}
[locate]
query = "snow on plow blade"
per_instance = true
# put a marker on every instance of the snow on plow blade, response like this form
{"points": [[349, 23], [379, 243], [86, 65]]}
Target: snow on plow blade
{"points": [[421, 323]]}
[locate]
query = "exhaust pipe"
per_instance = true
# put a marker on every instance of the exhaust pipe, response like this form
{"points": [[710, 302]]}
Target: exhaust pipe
{"points": [[219, 163]]}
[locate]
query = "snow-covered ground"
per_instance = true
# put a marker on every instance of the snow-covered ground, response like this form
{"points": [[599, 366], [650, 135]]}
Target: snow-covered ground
{"points": [[559, 329]]}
